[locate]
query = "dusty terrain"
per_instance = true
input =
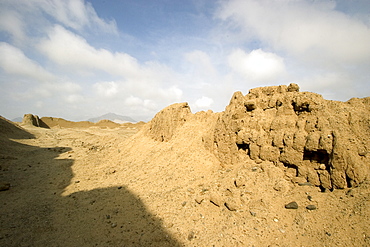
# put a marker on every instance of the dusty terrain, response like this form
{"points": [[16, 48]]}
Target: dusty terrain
{"points": [[188, 179]]}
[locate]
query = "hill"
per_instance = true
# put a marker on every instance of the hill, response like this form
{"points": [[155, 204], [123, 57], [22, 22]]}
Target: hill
{"points": [[112, 117], [17, 119]]}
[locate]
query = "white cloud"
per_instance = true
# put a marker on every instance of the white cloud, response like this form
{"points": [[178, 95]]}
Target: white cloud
{"points": [[29, 80], [138, 103], [148, 81], [320, 45], [73, 52], [12, 23], [74, 98], [68, 49], [133, 101], [202, 63], [64, 92], [312, 30], [39, 104], [150, 105], [77, 14], [172, 93], [331, 83], [106, 89], [257, 65], [13, 61], [203, 102], [68, 87]]}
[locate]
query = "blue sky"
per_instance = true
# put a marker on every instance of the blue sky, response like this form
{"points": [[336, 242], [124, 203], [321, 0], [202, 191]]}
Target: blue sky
{"points": [[78, 59]]}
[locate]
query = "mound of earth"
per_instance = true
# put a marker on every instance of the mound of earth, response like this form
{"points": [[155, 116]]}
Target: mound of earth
{"points": [[270, 151], [52, 122], [33, 120], [62, 123], [9, 129], [322, 142]]}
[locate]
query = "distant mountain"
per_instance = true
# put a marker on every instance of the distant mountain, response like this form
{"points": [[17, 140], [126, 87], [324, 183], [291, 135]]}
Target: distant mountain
{"points": [[18, 119], [112, 117]]}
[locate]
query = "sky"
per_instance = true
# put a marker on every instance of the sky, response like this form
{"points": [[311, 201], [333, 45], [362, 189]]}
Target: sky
{"points": [[78, 59]]}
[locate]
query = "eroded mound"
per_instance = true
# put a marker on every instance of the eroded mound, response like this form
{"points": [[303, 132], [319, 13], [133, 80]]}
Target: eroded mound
{"points": [[311, 139], [62, 123], [33, 120], [165, 123], [8, 129], [52, 122]]}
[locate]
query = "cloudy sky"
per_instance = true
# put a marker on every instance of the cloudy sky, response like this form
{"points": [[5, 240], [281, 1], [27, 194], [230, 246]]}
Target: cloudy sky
{"points": [[78, 59]]}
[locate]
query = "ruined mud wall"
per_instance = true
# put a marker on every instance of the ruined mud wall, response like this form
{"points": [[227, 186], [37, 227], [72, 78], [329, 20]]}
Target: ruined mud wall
{"points": [[165, 123], [325, 142], [315, 140], [33, 120]]}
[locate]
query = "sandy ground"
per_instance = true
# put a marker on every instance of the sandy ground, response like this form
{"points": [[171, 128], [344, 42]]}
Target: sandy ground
{"points": [[116, 187]]}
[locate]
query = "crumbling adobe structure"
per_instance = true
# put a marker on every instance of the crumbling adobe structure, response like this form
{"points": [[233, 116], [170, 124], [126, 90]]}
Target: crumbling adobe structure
{"points": [[326, 142], [33, 120]]}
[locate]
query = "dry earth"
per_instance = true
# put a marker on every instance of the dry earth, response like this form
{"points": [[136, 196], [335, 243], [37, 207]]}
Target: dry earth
{"points": [[165, 184]]}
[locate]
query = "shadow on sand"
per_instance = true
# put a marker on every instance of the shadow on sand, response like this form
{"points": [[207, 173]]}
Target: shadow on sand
{"points": [[33, 211]]}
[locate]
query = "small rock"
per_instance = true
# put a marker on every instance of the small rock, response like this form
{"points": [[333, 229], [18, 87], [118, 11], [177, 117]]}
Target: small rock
{"points": [[184, 203], [113, 225], [256, 169], [362, 153], [322, 167], [253, 213], [309, 198], [291, 205], [311, 207], [4, 186]]}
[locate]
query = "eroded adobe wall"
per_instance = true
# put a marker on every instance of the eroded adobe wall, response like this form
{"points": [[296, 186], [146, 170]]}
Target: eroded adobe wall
{"points": [[326, 142], [165, 123], [33, 120]]}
